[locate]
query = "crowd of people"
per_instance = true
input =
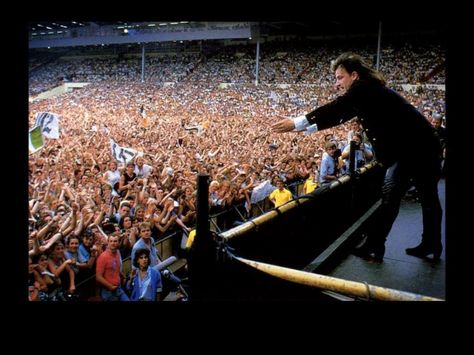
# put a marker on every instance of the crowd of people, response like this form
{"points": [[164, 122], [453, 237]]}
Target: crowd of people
{"points": [[280, 63], [84, 203]]}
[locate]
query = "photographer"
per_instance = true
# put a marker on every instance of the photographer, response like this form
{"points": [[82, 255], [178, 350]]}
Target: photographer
{"points": [[363, 153]]}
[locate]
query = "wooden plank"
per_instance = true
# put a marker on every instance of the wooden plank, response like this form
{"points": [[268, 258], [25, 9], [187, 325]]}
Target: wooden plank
{"points": [[178, 264]]}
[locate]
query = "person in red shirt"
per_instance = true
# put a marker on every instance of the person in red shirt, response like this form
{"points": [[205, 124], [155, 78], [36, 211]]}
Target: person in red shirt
{"points": [[109, 272]]}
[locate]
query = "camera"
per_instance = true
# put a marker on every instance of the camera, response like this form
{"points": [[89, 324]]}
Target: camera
{"points": [[108, 228]]}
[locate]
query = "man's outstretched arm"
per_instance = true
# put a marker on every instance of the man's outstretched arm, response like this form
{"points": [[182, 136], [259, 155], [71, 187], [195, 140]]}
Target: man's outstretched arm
{"points": [[287, 124]]}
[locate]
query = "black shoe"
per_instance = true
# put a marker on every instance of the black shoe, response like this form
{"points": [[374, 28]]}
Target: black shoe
{"points": [[423, 250], [379, 252], [363, 252]]}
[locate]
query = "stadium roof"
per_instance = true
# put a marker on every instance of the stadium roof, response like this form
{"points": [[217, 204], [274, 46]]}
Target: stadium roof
{"points": [[326, 26], [333, 26]]}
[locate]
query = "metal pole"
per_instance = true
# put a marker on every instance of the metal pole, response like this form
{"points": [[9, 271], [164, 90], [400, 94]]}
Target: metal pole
{"points": [[257, 61], [202, 221], [353, 288], [352, 158], [143, 62], [201, 257], [378, 45]]}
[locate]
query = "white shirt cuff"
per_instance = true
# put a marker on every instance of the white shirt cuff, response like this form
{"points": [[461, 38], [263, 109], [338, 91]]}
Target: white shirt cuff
{"points": [[301, 122], [311, 129]]}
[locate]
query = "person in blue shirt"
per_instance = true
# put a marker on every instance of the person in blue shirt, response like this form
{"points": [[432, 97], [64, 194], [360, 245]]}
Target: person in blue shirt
{"points": [[329, 165], [145, 282]]}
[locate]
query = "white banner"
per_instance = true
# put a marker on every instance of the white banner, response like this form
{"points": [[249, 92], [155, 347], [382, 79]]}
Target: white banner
{"points": [[123, 155], [49, 123]]}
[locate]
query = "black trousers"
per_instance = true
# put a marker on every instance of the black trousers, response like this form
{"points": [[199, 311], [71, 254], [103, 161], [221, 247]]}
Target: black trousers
{"points": [[425, 176]]}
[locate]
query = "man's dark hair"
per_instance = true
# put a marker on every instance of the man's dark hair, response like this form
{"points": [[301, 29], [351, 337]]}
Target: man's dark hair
{"points": [[139, 253], [354, 63]]}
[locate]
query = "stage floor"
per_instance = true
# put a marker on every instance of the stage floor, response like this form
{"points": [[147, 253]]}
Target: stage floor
{"points": [[401, 271]]}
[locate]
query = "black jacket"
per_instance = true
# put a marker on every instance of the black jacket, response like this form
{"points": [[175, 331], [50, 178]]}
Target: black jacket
{"points": [[394, 127]]}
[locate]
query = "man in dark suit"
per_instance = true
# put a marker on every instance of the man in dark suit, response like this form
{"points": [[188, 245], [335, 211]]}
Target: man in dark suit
{"points": [[403, 141]]}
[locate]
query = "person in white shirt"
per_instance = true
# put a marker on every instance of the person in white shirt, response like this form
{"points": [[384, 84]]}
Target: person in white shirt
{"points": [[141, 169]]}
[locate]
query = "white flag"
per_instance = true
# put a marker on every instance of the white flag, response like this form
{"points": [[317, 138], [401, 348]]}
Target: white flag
{"points": [[123, 155], [35, 139], [49, 123]]}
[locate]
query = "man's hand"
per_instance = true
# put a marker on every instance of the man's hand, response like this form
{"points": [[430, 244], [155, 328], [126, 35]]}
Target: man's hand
{"points": [[284, 125]]}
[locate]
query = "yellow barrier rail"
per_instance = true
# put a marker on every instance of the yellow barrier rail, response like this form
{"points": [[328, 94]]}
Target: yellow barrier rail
{"points": [[353, 288]]}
